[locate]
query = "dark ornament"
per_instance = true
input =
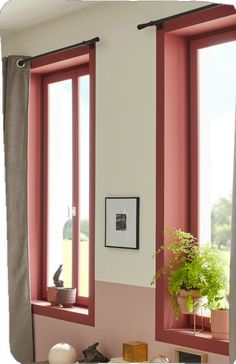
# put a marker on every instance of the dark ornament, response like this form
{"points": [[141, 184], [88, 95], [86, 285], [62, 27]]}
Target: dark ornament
{"points": [[56, 280], [92, 355]]}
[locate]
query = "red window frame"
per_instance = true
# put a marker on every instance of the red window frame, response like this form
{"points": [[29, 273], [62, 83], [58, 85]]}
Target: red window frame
{"points": [[73, 75], [70, 63], [177, 150]]}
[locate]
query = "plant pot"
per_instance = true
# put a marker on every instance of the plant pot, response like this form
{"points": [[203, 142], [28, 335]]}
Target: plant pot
{"points": [[67, 297], [220, 324], [182, 298], [52, 295]]}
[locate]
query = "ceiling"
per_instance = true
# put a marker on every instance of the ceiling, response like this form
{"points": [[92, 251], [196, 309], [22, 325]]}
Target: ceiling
{"points": [[20, 14]]}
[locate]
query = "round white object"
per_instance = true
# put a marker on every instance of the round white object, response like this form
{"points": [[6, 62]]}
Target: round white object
{"points": [[62, 353]]}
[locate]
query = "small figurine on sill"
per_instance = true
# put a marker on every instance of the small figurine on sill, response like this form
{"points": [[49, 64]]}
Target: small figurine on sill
{"points": [[56, 280], [92, 355]]}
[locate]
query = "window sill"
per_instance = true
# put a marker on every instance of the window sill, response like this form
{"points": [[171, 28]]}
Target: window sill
{"points": [[75, 314], [202, 341]]}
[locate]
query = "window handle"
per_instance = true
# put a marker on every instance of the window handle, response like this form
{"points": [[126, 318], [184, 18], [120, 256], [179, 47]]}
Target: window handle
{"points": [[73, 211]]}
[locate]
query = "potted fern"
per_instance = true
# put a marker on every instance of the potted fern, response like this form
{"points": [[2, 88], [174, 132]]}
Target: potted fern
{"points": [[193, 272], [216, 293], [220, 321]]}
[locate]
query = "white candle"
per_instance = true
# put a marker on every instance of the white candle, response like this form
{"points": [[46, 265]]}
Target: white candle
{"points": [[62, 353]]}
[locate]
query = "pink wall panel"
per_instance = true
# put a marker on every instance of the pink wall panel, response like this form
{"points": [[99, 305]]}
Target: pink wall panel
{"points": [[122, 313]]}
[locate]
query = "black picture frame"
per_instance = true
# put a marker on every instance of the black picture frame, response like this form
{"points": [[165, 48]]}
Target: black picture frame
{"points": [[122, 222]]}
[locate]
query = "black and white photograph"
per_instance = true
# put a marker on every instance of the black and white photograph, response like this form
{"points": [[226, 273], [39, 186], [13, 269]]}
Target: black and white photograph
{"points": [[122, 222]]}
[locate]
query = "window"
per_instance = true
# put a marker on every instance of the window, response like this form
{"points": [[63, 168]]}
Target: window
{"points": [[62, 179], [178, 192], [66, 208], [216, 73]]}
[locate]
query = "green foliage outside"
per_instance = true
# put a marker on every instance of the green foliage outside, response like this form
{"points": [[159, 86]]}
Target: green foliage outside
{"points": [[84, 230], [221, 223], [84, 227], [67, 230]]}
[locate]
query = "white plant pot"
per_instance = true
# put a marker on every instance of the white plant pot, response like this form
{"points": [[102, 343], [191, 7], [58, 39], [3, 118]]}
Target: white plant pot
{"points": [[220, 324], [181, 298]]}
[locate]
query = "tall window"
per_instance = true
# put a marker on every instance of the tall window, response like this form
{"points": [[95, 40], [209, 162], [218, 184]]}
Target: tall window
{"points": [[66, 179], [195, 130], [59, 181], [62, 179]]}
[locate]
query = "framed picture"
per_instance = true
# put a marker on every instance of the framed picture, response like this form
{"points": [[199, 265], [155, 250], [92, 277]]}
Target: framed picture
{"points": [[122, 222], [190, 357]]}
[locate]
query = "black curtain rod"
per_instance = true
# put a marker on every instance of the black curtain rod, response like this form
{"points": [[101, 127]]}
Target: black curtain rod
{"points": [[159, 23], [89, 42]]}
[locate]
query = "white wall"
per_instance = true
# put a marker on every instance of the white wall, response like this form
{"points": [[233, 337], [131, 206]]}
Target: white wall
{"points": [[125, 123], [125, 115]]}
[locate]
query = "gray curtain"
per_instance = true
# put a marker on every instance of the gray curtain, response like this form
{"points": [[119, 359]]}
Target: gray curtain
{"points": [[15, 107], [232, 295]]}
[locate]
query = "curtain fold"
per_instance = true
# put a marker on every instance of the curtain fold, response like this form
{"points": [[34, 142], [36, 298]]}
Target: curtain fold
{"points": [[15, 104], [232, 295]]}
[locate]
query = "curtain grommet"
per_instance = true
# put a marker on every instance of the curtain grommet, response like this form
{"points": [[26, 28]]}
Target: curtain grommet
{"points": [[20, 63]]}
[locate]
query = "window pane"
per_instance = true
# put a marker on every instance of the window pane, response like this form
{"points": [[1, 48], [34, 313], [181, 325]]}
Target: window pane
{"points": [[217, 120], [60, 180], [84, 186]]}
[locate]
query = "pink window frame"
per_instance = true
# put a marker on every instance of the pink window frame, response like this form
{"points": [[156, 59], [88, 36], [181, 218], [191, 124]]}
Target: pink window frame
{"points": [[177, 150], [60, 76], [74, 62]]}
